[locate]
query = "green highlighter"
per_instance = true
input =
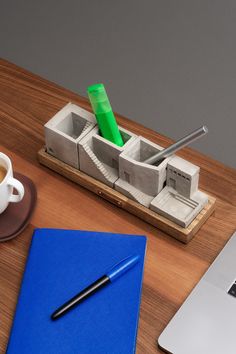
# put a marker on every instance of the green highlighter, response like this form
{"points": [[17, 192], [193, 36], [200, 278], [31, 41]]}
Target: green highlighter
{"points": [[104, 114]]}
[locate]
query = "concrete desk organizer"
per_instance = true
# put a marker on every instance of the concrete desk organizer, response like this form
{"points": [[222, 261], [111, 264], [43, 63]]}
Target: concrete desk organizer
{"points": [[166, 195]]}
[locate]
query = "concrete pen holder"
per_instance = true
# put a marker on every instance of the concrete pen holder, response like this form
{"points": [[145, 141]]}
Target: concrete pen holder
{"points": [[64, 130], [140, 181], [165, 195]]}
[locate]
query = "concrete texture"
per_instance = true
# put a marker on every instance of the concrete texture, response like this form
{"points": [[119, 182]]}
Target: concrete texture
{"points": [[138, 176], [169, 65], [176, 207], [64, 130], [133, 193], [180, 201], [99, 157], [183, 176]]}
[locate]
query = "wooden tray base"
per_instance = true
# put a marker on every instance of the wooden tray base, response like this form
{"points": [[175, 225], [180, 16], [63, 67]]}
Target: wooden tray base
{"points": [[182, 234]]}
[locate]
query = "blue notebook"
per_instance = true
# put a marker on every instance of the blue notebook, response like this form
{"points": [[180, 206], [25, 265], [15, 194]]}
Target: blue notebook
{"points": [[60, 264]]}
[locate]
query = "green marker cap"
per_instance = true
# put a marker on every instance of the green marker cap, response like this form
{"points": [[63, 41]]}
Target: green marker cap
{"points": [[98, 98], [105, 117]]}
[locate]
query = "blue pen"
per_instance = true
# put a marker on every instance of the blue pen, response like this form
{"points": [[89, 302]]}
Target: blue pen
{"points": [[115, 272]]}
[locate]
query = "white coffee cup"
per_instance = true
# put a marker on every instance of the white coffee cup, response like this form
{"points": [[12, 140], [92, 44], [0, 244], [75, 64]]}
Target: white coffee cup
{"points": [[7, 185]]}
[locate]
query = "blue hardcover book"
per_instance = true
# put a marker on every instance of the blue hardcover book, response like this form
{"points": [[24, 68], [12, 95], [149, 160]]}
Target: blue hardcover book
{"points": [[60, 264]]}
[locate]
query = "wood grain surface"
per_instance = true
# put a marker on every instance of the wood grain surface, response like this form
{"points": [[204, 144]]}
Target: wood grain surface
{"points": [[171, 270]]}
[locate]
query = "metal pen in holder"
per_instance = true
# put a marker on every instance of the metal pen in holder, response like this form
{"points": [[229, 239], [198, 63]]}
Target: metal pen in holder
{"points": [[177, 146]]}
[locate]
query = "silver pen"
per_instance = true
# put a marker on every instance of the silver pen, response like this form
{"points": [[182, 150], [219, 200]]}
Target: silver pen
{"points": [[196, 134]]}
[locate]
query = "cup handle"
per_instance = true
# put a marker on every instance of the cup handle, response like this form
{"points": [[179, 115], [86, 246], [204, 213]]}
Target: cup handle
{"points": [[15, 198]]}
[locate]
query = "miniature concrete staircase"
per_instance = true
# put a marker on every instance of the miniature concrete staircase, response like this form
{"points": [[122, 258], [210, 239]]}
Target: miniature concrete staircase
{"points": [[132, 192], [137, 195], [87, 125], [95, 160]]}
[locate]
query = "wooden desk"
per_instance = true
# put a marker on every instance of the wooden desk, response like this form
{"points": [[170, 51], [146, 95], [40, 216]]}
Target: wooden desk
{"points": [[172, 268]]}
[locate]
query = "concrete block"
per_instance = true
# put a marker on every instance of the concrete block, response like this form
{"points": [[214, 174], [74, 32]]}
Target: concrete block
{"points": [[183, 176], [65, 129], [178, 208], [138, 180], [99, 157]]}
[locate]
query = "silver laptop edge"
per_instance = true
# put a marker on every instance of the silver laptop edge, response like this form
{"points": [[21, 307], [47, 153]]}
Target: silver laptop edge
{"points": [[205, 323]]}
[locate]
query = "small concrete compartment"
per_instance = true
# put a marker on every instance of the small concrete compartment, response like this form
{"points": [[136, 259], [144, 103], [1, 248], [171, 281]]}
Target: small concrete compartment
{"points": [[64, 130], [176, 207], [180, 201], [138, 180], [72, 125], [99, 157], [143, 149]]}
